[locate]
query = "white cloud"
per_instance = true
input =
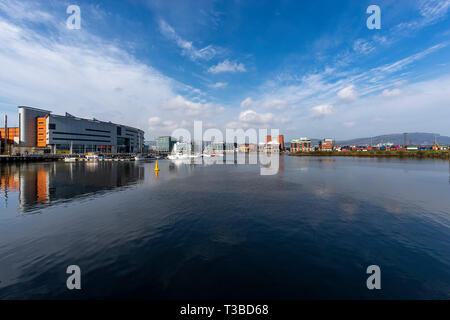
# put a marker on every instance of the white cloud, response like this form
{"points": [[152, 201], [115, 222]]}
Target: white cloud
{"points": [[348, 94], [252, 119], [391, 93], [250, 116], [167, 126], [186, 107], [321, 110], [227, 66], [187, 47], [421, 106], [25, 11], [219, 85], [400, 64], [277, 104], [246, 102], [349, 124], [363, 46], [89, 78], [431, 12], [361, 88]]}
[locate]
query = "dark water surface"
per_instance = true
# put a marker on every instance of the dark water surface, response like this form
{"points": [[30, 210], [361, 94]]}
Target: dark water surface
{"points": [[225, 231]]}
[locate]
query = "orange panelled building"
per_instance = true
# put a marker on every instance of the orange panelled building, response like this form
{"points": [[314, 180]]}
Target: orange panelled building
{"points": [[41, 126], [12, 133]]}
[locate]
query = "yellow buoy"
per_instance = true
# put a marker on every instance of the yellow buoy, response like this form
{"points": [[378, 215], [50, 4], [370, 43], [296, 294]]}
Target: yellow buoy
{"points": [[156, 167]]}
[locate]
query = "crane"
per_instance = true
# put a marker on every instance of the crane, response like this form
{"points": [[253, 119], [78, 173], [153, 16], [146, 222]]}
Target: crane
{"points": [[436, 146]]}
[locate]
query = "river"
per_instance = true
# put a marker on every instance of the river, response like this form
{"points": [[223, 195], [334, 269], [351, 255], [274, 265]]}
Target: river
{"points": [[224, 231]]}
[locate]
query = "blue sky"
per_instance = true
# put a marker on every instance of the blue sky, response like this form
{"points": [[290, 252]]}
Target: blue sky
{"points": [[308, 68]]}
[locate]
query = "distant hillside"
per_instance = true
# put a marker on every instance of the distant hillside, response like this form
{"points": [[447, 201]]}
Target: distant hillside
{"points": [[414, 138]]}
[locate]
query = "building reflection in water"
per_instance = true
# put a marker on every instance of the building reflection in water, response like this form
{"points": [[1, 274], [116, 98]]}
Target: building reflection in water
{"points": [[40, 184]]}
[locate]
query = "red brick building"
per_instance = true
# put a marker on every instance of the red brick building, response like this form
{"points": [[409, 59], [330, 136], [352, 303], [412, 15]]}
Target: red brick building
{"points": [[279, 140], [326, 145]]}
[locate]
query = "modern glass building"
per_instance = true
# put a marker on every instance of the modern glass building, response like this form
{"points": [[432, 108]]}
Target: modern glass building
{"points": [[165, 143], [70, 134], [224, 146]]}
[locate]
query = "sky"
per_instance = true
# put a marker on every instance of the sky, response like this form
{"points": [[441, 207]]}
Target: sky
{"points": [[308, 68]]}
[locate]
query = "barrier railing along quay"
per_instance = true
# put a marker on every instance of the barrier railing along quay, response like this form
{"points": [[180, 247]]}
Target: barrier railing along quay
{"points": [[30, 157], [55, 157]]}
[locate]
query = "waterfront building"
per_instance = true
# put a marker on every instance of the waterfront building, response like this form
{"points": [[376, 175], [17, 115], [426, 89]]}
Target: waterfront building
{"points": [[247, 147], [261, 147], [301, 145], [69, 134], [281, 142], [11, 136], [150, 145], [243, 148], [272, 146], [326, 145], [223, 147], [183, 147], [273, 141], [8, 136], [165, 143]]}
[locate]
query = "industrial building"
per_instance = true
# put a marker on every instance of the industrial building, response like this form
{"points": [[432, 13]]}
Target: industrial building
{"points": [[8, 136], [40, 128]]}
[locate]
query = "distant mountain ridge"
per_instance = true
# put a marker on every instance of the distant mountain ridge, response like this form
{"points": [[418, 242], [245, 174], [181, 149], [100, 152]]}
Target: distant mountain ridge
{"points": [[413, 138]]}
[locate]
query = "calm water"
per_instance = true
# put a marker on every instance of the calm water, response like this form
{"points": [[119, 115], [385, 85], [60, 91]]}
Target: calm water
{"points": [[225, 231]]}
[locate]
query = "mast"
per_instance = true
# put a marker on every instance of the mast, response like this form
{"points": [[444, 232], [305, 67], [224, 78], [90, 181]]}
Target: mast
{"points": [[6, 134]]}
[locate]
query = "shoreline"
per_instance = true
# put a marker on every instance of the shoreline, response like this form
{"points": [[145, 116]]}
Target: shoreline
{"points": [[443, 155]]}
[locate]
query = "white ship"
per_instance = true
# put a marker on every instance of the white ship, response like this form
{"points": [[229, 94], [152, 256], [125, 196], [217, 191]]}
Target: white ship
{"points": [[70, 159], [182, 151], [140, 157]]}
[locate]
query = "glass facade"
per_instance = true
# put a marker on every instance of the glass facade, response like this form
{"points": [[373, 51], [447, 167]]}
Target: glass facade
{"points": [[123, 145], [165, 144], [82, 148]]}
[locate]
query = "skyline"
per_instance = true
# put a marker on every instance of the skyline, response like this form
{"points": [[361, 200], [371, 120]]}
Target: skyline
{"points": [[309, 70]]}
